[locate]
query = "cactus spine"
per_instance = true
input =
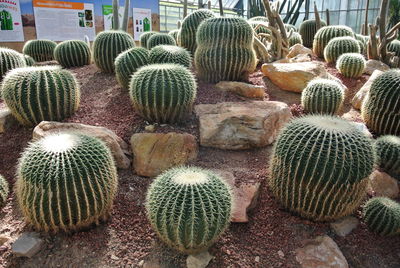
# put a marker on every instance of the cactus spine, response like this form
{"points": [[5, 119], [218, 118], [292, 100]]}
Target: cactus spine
{"points": [[326, 34], [160, 39], [128, 62], [388, 153], [340, 45], [382, 216], [144, 38], [10, 59], [170, 54], [4, 190], [351, 64], [40, 50], [198, 204], [307, 30], [72, 53], [294, 39]]}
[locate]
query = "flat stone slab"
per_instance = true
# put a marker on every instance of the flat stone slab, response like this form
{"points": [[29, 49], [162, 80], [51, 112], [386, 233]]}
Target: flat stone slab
{"points": [[27, 245]]}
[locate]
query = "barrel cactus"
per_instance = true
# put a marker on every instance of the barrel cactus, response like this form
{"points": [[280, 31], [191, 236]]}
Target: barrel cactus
{"points": [[351, 64], [160, 39], [340, 45], [380, 109], [174, 34], [294, 39], [72, 53], [307, 30], [4, 190], [35, 94], [290, 27], [187, 34], [382, 216], [66, 182], [260, 27], [224, 50], [388, 153], [29, 61], [108, 45], [40, 50], [320, 167], [258, 18], [129, 62], [326, 34], [163, 93], [363, 47], [189, 208], [170, 54], [145, 37], [10, 59], [394, 47]]}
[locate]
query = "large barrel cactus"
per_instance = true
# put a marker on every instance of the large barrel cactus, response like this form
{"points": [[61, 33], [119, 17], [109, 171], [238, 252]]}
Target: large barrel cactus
{"points": [[294, 39], [340, 45], [66, 182], [351, 64], [4, 190], [187, 34], [35, 94], [189, 208], [322, 96], [10, 59], [381, 108], [40, 50], [382, 216], [72, 53], [163, 93], [224, 50], [326, 34], [170, 54], [107, 46], [320, 167], [394, 47], [307, 30], [160, 39], [388, 153], [145, 37], [128, 62]]}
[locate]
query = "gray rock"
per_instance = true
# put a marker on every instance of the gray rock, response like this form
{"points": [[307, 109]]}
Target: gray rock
{"points": [[27, 245], [344, 226], [200, 260]]}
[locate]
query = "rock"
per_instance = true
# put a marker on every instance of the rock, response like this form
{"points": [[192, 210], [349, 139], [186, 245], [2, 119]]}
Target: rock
{"points": [[141, 263], [298, 49], [293, 76], [363, 128], [199, 260], [27, 245], [363, 91], [4, 239], [118, 147], [344, 226], [257, 259], [298, 58], [7, 120], [242, 89], [373, 65], [281, 254], [154, 153], [382, 184], [241, 125], [321, 252], [150, 128]]}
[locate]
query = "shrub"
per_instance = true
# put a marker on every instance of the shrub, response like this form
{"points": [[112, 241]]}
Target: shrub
{"points": [[72, 53], [40, 50], [326, 34], [170, 54], [382, 216], [388, 153], [351, 64], [340, 45], [128, 62]]}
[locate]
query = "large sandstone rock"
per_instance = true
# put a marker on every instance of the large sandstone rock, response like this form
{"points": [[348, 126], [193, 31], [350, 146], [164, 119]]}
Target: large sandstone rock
{"points": [[363, 91], [118, 147], [7, 120], [373, 65], [154, 153], [382, 184], [293, 76], [241, 125], [297, 58], [242, 89], [321, 252], [298, 49]]}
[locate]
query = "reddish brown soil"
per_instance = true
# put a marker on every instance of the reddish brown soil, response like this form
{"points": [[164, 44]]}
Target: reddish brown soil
{"points": [[127, 239]]}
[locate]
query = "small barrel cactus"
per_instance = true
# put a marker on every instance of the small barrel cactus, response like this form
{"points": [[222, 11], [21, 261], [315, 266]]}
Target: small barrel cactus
{"points": [[326, 34], [72, 53], [163, 93], [198, 204], [351, 64], [307, 30], [4, 190], [320, 167], [382, 216], [129, 62], [289, 27], [388, 153], [160, 39], [29, 61], [380, 109], [10, 59], [35, 94], [224, 50], [40, 50], [294, 39], [322, 96], [107, 46], [145, 37], [66, 181], [394, 47], [259, 27], [170, 54], [340, 45], [258, 18], [174, 34]]}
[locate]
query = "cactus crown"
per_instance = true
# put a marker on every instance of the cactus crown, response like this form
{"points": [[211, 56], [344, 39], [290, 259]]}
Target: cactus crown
{"points": [[160, 39], [170, 54], [72, 53], [40, 50], [388, 152], [340, 45], [4, 190], [351, 64], [326, 34], [10, 59], [128, 62], [382, 216]]}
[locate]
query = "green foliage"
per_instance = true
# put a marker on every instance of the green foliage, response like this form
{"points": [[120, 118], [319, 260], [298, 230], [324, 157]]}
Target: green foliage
{"points": [[307, 30], [10, 59], [340, 45], [107, 46], [326, 34], [163, 93], [66, 181], [394, 47], [174, 34], [380, 109], [224, 50], [382, 216], [170, 54], [40, 50], [160, 39], [36, 94], [144, 38], [4, 190], [351, 64], [128, 62], [29, 61], [294, 39], [320, 167], [189, 208], [72, 53], [388, 152]]}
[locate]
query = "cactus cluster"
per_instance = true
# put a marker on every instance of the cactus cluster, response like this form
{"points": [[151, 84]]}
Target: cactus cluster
{"points": [[381, 108], [174, 34], [170, 54], [40, 50], [10, 59], [160, 39], [29, 61], [307, 30], [145, 37], [107, 46], [4, 190], [163, 93], [351, 64], [224, 50], [72, 53], [340, 45], [326, 34], [189, 208], [128, 62], [35, 94], [322, 96], [66, 181], [394, 47], [388, 154], [382, 216], [294, 39], [320, 167]]}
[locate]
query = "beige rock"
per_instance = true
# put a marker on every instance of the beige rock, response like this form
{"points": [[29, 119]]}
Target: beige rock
{"points": [[154, 153], [362, 93], [199, 260], [242, 89], [344, 226], [7, 120], [298, 49], [118, 147], [373, 65], [321, 252], [382, 184], [241, 125], [298, 58]]}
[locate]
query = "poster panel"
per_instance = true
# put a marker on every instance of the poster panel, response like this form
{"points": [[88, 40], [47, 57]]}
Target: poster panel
{"points": [[10, 21], [141, 22]]}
